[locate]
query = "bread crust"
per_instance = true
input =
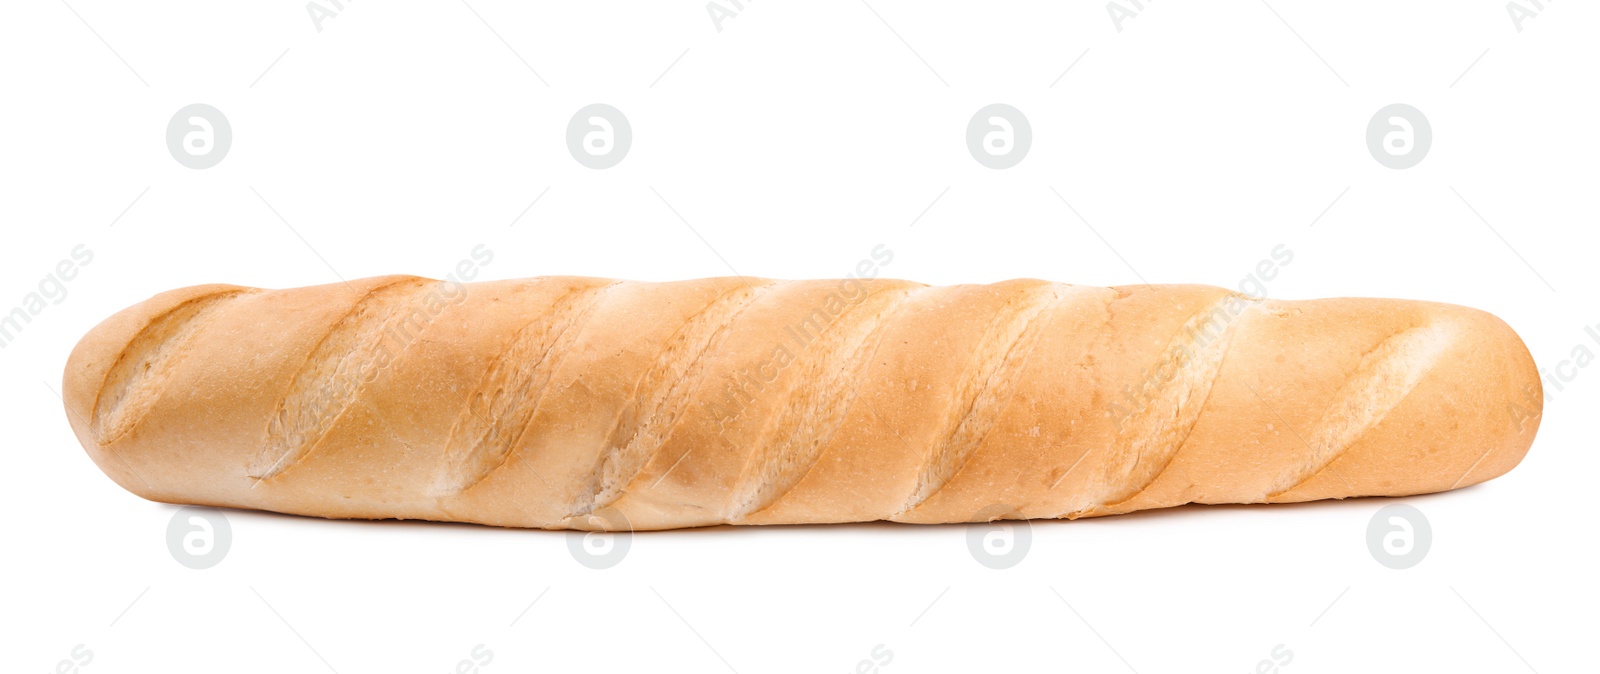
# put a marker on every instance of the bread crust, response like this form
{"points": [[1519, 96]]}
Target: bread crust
{"points": [[586, 403]]}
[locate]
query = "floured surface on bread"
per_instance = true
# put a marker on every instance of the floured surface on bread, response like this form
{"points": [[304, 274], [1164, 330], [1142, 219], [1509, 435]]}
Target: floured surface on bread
{"points": [[585, 403]]}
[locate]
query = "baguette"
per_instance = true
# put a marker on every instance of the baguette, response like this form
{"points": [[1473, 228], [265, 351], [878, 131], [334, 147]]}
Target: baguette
{"points": [[588, 403]]}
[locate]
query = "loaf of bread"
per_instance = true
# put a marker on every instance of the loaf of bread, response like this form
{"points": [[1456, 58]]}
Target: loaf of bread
{"points": [[587, 403]]}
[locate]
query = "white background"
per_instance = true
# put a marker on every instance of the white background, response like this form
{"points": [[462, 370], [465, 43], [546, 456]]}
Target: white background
{"points": [[792, 142]]}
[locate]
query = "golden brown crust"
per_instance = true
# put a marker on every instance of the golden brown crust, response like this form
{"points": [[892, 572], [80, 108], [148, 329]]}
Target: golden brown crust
{"points": [[564, 402]]}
